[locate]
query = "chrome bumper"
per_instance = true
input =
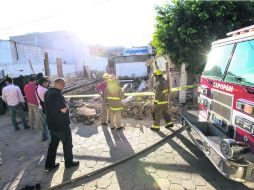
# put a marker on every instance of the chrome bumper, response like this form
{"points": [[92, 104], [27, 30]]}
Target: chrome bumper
{"points": [[238, 170]]}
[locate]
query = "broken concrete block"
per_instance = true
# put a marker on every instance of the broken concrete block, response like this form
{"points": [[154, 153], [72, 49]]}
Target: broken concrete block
{"points": [[85, 111]]}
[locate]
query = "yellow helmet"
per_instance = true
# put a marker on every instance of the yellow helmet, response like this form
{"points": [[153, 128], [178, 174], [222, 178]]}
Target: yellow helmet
{"points": [[106, 76], [157, 72]]}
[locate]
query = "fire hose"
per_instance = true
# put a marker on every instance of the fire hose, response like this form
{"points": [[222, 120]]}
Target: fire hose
{"points": [[93, 173]]}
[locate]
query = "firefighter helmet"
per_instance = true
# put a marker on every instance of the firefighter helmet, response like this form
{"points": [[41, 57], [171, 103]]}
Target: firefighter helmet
{"points": [[157, 72], [106, 76]]}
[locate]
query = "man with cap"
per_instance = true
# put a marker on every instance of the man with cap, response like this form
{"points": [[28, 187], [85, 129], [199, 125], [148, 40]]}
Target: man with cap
{"points": [[162, 89], [100, 88]]}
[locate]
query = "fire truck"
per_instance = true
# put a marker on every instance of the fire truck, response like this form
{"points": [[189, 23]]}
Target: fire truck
{"points": [[223, 127]]}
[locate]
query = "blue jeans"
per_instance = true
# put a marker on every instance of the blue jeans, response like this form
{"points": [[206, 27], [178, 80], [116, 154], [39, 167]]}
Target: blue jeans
{"points": [[44, 129], [13, 110]]}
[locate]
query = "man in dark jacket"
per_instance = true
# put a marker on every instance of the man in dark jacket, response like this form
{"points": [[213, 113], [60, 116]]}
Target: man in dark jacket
{"points": [[161, 101], [57, 114]]}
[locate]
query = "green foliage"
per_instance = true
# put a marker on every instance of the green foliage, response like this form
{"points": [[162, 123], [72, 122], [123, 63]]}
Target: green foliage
{"points": [[185, 29]]}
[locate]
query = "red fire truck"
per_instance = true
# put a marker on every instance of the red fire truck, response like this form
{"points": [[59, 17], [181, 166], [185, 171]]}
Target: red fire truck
{"points": [[223, 127]]}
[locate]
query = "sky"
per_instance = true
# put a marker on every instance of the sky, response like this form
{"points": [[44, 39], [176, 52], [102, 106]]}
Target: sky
{"points": [[97, 22]]}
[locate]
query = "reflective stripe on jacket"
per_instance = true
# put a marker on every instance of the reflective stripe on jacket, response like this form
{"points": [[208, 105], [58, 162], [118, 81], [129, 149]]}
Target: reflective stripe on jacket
{"points": [[162, 89], [113, 95]]}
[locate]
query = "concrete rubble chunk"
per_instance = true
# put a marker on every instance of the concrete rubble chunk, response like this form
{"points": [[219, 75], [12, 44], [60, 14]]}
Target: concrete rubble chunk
{"points": [[85, 111]]}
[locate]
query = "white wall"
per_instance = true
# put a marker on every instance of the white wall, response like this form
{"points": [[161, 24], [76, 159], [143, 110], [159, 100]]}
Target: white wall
{"points": [[23, 53], [16, 70], [14, 59], [161, 62], [5, 53], [135, 69], [97, 63]]}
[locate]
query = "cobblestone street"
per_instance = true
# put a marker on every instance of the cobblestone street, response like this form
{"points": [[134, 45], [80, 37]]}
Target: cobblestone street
{"points": [[175, 164]]}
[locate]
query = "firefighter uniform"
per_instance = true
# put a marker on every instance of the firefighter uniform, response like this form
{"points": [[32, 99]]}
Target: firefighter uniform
{"points": [[113, 95], [161, 102]]}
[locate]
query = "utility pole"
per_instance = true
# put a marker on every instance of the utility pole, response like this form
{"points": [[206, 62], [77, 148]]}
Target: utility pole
{"points": [[168, 79], [59, 67], [46, 64]]}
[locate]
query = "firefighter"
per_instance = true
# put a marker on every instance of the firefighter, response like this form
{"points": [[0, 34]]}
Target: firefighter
{"points": [[161, 102], [100, 88], [113, 95]]}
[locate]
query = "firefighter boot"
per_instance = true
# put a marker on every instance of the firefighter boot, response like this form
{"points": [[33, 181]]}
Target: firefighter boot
{"points": [[169, 125], [155, 128]]}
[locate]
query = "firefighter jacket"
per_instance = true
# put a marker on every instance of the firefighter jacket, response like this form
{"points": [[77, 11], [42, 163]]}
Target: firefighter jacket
{"points": [[162, 89], [113, 95]]}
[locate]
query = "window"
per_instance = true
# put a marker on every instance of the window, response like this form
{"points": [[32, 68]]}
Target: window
{"points": [[217, 61], [241, 68]]}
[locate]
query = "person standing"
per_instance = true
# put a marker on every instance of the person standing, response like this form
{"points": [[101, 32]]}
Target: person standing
{"points": [[37, 77], [57, 115], [113, 96], [13, 97], [161, 102], [33, 106], [40, 92], [100, 88]]}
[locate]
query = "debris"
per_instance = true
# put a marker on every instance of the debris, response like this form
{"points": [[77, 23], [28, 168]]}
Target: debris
{"points": [[142, 86], [85, 111]]}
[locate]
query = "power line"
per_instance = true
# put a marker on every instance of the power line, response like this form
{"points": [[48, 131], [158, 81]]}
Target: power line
{"points": [[29, 22], [98, 2]]}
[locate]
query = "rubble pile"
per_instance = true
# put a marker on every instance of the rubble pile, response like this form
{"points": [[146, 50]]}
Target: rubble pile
{"points": [[137, 107], [89, 110], [84, 110]]}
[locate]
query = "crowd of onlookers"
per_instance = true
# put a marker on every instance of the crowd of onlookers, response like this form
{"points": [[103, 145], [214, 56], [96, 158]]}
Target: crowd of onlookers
{"points": [[34, 95], [47, 110]]}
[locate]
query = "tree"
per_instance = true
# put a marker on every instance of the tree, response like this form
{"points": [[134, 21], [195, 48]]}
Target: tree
{"points": [[185, 29]]}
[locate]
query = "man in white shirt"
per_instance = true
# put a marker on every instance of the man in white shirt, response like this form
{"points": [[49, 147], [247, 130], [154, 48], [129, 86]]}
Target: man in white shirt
{"points": [[13, 97]]}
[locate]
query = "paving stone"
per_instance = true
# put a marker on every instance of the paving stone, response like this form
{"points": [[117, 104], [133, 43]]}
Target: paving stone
{"points": [[176, 187], [175, 180], [163, 183], [103, 183], [150, 169], [114, 187], [184, 175], [201, 188], [78, 188], [188, 184], [169, 166], [91, 164], [159, 158], [198, 180], [90, 186], [162, 173]]}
